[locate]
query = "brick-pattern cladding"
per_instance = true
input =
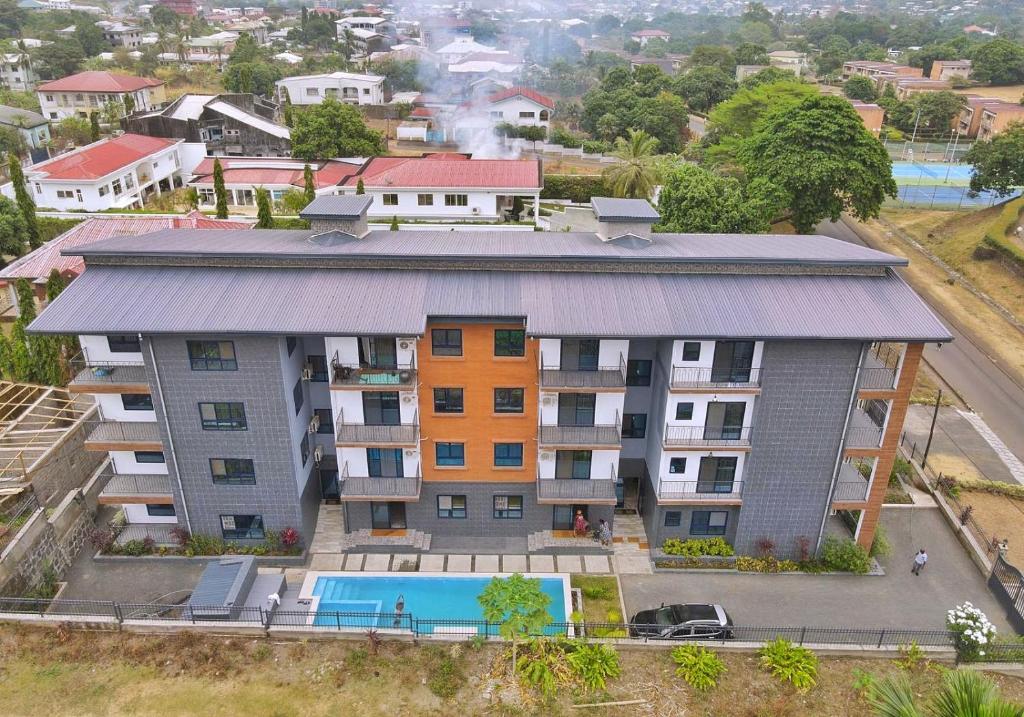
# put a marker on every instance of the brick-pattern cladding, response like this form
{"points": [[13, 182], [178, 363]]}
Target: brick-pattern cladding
{"points": [[797, 429]]}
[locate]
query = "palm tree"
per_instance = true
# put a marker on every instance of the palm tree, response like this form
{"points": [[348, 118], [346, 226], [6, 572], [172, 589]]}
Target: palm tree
{"points": [[964, 693], [634, 174]]}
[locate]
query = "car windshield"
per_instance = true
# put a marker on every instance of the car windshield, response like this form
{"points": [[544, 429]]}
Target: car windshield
{"points": [[664, 616]]}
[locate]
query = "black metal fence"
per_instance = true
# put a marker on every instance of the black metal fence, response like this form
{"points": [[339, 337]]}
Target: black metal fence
{"points": [[1007, 584]]}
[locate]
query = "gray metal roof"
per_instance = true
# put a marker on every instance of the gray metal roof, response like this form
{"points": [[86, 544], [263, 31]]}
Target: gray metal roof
{"points": [[17, 117], [223, 582], [345, 302], [609, 209], [348, 206], [697, 248]]}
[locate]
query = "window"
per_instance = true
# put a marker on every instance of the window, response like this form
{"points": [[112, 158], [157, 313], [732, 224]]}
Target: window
{"points": [[312, 92], [297, 396], [116, 184], [124, 344], [638, 373], [78, 195], [691, 351], [508, 400], [223, 416], [677, 465], [319, 366], [527, 115], [448, 400], [326, 420], [233, 471], [508, 507], [508, 455], [291, 342], [450, 454], [684, 411], [149, 457], [49, 98], [104, 190], [425, 200], [446, 342], [451, 506], [456, 200], [304, 447], [160, 510], [390, 200], [242, 527], [634, 425], [137, 401], [129, 181], [708, 522], [509, 342], [212, 355], [673, 518]]}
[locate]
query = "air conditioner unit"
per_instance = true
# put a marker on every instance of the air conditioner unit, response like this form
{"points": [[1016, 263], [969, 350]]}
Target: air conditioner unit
{"points": [[548, 400], [406, 398], [409, 453], [318, 454], [405, 344], [314, 424], [307, 372], [546, 456], [476, 210]]}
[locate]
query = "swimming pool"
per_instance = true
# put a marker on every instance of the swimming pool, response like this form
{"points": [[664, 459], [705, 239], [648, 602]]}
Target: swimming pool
{"points": [[439, 603]]}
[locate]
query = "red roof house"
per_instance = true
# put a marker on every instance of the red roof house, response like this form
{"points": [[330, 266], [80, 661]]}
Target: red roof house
{"points": [[98, 81]]}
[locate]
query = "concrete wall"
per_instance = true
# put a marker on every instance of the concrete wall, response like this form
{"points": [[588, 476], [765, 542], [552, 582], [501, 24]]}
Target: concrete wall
{"points": [[66, 466]]}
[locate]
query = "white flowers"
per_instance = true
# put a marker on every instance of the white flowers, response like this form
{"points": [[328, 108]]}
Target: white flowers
{"points": [[972, 628]]}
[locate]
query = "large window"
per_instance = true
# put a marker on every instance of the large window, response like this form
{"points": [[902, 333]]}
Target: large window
{"points": [[291, 342], [446, 342], [448, 400], [160, 510], [223, 416], [634, 425], [684, 411], [304, 447], [456, 200], [318, 364], [691, 351], [508, 400], [508, 455], [242, 527], [212, 355], [638, 373], [450, 454], [389, 200], [508, 507], [297, 396], [149, 457], [451, 506], [509, 342], [124, 344], [137, 401], [233, 471], [425, 200], [708, 522], [326, 420]]}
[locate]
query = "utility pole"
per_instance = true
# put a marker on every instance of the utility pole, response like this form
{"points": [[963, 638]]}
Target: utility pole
{"points": [[952, 155], [917, 119], [931, 430]]}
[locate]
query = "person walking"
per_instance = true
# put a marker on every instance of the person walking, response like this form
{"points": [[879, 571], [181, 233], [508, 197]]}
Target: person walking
{"points": [[604, 532], [579, 526], [919, 562]]}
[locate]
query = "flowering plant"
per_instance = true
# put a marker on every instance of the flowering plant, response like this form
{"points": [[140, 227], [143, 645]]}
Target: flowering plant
{"points": [[972, 630]]}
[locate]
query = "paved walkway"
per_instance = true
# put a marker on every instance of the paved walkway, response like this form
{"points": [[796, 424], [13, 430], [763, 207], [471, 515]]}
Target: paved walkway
{"points": [[456, 563], [963, 445]]}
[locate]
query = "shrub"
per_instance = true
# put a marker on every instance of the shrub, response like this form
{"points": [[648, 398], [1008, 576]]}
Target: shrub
{"points": [[593, 664], [699, 666], [290, 538], [133, 548], [971, 629], [578, 188], [199, 544], [101, 539], [765, 546], [566, 138], [696, 547], [770, 564], [880, 545], [181, 536], [446, 678], [844, 555], [789, 663], [596, 146]]}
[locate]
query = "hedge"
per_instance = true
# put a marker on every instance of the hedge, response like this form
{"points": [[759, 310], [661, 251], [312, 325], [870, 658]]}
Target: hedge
{"points": [[578, 188]]}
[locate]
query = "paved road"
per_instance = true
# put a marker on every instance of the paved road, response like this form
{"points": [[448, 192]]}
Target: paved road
{"points": [[975, 375], [897, 599]]}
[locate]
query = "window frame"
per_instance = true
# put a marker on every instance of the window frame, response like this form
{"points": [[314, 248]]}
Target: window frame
{"points": [[122, 340], [254, 518], [207, 361], [503, 446], [163, 510], [136, 454], [446, 400], [681, 410], [456, 200], [508, 406], [326, 426], [639, 378], [143, 406], [676, 519], [233, 477], [389, 199], [452, 511], [304, 450], [424, 199], [688, 348], [706, 522], [510, 513], [223, 424], [449, 460], [504, 341], [298, 396], [445, 347], [634, 431], [672, 461]]}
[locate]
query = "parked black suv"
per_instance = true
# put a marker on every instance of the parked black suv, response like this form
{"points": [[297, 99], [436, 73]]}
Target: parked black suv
{"points": [[693, 621]]}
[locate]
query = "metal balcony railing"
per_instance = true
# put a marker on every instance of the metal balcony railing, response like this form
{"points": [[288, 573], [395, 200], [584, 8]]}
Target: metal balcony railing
{"points": [[592, 435], [881, 367], [399, 376], [404, 433], [596, 378], [863, 431], [136, 485], [105, 373], [701, 436], [577, 490], [852, 486], [729, 377], [374, 487], [698, 490], [129, 433]]}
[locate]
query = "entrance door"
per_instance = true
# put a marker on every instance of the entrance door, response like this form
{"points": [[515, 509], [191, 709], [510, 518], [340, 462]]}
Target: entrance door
{"points": [[329, 489], [733, 361], [564, 515], [380, 408], [384, 462], [724, 420], [716, 474], [387, 516], [572, 465], [576, 409]]}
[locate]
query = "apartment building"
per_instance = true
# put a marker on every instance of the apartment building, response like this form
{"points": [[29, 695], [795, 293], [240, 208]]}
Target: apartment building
{"points": [[17, 73], [879, 71], [948, 69], [348, 87], [997, 117], [492, 385], [80, 94]]}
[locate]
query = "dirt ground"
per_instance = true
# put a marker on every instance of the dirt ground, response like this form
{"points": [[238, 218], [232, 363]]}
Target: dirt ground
{"points": [[1010, 93], [101, 673], [1000, 517]]}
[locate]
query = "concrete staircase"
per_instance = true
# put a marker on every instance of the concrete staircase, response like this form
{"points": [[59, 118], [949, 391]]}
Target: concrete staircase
{"points": [[631, 553], [330, 530], [548, 540], [411, 540]]}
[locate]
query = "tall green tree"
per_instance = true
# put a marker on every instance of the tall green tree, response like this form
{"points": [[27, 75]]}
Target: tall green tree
{"points": [[860, 87], [264, 215], [333, 129], [823, 161], [55, 284], [634, 174], [13, 230], [26, 204], [998, 62], [695, 200], [998, 163], [220, 192], [518, 605], [394, 223], [94, 126], [308, 184], [360, 187], [704, 87]]}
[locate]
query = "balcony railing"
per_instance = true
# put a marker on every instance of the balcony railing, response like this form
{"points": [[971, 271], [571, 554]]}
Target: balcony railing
{"points": [[106, 373], [596, 378], [134, 485], [577, 490], [700, 436], [881, 364], [691, 377], [699, 490], [400, 376], [594, 435], [852, 486], [125, 435], [161, 533], [378, 488], [863, 431], [403, 433]]}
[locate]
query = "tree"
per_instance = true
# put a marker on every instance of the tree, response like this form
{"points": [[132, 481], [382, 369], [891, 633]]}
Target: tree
{"points": [[705, 87], [12, 142], [91, 39], [59, 59], [999, 62], [12, 230], [246, 51], [293, 201], [768, 76], [835, 50], [74, 130], [860, 87], [964, 693], [633, 175], [937, 110], [332, 129], [94, 126], [394, 223], [12, 18], [308, 184], [163, 17], [606, 23], [360, 188], [129, 104], [713, 56], [694, 200], [251, 77], [192, 199], [748, 53], [55, 283], [264, 215], [822, 159], [219, 190], [998, 163], [520, 606], [26, 206]]}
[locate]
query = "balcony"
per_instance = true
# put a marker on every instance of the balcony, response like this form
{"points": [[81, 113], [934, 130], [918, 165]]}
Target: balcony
{"points": [[583, 379], [881, 365], [400, 377], [852, 486], [136, 488], [125, 436], [602, 436], [699, 491], [402, 434], [864, 432], [378, 488], [721, 379], [577, 490], [707, 437], [108, 377]]}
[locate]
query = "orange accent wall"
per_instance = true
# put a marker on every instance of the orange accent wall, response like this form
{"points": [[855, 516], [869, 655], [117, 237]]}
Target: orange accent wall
{"points": [[478, 372]]}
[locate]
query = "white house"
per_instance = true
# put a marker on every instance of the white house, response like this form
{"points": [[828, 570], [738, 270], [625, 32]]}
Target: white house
{"points": [[244, 175], [795, 62], [85, 92], [16, 72], [379, 25], [347, 87], [520, 106], [31, 125], [645, 36], [114, 173], [460, 48]]}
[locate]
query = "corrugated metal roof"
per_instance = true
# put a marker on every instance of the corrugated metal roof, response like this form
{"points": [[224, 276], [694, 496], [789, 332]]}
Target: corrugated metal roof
{"points": [[347, 206], [222, 582], [343, 302], [611, 209]]}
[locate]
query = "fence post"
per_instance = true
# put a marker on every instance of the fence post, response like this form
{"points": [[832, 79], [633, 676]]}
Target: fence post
{"points": [[337, 619], [881, 637], [263, 619], [803, 633], [117, 612]]}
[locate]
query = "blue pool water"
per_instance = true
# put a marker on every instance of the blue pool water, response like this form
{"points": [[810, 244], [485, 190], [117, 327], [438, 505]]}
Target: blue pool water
{"points": [[369, 601]]}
